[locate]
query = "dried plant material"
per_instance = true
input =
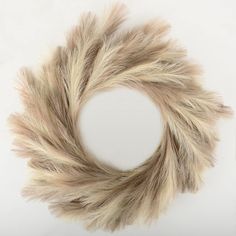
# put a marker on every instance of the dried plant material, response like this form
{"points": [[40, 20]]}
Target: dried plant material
{"points": [[100, 55]]}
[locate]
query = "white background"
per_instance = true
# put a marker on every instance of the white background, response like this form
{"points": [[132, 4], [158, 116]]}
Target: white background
{"points": [[122, 126]]}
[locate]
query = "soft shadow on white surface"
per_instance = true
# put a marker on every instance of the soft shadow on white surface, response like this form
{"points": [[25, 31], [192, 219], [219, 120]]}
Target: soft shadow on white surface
{"points": [[30, 30]]}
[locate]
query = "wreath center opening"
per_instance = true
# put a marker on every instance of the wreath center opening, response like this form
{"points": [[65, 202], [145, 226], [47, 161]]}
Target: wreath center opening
{"points": [[121, 127]]}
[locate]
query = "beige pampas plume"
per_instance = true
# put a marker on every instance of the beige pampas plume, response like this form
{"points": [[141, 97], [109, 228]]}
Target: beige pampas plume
{"points": [[100, 55]]}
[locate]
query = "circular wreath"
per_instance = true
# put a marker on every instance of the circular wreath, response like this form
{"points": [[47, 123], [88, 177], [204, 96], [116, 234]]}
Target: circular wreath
{"points": [[100, 55]]}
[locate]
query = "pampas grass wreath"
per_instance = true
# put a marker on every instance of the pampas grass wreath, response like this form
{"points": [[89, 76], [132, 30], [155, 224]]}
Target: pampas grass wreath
{"points": [[99, 55]]}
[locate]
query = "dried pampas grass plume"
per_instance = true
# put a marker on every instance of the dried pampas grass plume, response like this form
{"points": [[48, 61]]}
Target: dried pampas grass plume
{"points": [[100, 55]]}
